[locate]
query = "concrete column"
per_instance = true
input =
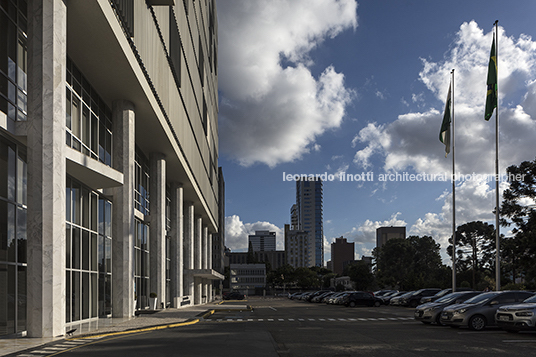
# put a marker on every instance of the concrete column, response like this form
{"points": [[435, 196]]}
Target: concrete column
{"points": [[157, 235], [198, 238], [204, 247], [209, 266], [189, 248], [123, 117], [177, 238], [198, 231], [209, 251], [47, 56]]}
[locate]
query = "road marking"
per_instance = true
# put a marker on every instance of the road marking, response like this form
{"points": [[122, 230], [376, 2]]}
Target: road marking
{"points": [[291, 319], [270, 319], [273, 308], [522, 341], [280, 319]]}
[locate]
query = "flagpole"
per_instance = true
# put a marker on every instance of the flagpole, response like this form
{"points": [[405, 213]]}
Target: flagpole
{"points": [[453, 193], [497, 227]]}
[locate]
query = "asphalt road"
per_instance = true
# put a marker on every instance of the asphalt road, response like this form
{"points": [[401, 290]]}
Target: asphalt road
{"points": [[281, 327]]}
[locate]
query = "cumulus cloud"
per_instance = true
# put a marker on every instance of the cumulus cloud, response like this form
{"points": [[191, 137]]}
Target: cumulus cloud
{"points": [[411, 141], [237, 232], [272, 107]]}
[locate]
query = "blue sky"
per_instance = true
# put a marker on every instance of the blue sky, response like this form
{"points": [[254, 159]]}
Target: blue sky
{"points": [[313, 87]]}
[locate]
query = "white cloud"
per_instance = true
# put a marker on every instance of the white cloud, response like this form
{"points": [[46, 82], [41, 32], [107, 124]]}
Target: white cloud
{"points": [[237, 232], [412, 141], [272, 107], [366, 233]]}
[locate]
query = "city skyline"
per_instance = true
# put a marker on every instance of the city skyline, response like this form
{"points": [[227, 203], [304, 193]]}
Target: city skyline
{"points": [[358, 88]]}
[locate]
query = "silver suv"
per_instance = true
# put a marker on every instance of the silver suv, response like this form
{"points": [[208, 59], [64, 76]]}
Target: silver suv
{"points": [[431, 311], [479, 311], [514, 318]]}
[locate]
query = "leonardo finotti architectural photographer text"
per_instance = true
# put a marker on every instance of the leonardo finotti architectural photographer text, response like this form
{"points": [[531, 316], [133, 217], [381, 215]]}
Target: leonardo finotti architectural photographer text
{"points": [[370, 176]]}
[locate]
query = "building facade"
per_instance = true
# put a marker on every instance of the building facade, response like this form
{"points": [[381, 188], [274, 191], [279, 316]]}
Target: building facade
{"points": [[299, 248], [247, 278], [262, 241], [383, 234], [307, 215], [109, 156], [341, 252]]}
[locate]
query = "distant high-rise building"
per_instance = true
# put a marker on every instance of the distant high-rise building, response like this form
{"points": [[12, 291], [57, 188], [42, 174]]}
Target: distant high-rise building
{"points": [[262, 241], [306, 215], [383, 234], [341, 252], [298, 247]]}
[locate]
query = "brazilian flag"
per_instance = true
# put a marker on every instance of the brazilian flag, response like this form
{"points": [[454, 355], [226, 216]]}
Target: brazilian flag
{"points": [[491, 98]]}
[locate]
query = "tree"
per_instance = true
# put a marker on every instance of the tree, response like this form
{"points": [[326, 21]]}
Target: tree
{"points": [[410, 263], [306, 278], [518, 208], [360, 274], [475, 249]]}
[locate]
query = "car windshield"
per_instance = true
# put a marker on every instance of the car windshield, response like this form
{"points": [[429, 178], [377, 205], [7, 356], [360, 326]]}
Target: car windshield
{"points": [[530, 299], [449, 297], [481, 298], [407, 294], [416, 292], [442, 293]]}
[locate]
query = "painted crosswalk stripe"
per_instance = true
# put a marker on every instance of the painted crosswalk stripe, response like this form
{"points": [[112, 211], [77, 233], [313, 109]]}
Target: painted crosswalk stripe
{"points": [[331, 319], [342, 319], [362, 319], [311, 319], [250, 319], [291, 319], [260, 320], [321, 319], [301, 320], [270, 319], [352, 319]]}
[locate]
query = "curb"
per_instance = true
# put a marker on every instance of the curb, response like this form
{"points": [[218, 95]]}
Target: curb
{"points": [[144, 329]]}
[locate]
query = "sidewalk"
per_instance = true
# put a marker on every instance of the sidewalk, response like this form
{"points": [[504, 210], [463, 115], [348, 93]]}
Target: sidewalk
{"points": [[167, 318]]}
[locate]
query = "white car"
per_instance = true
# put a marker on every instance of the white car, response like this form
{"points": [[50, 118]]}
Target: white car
{"points": [[520, 317]]}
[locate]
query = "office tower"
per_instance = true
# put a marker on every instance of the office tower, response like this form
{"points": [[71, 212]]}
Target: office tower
{"points": [[341, 253], [307, 216], [108, 159], [262, 241], [383, 234]]}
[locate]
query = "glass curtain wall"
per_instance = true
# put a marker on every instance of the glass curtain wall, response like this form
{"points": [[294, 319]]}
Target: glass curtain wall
{"points": [[88, 258], [13, 60], [141, 246], [13, 208], [87, 118]]}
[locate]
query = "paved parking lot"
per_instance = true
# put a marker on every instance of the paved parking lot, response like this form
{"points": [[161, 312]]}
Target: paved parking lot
{"points": [[282, 327]]}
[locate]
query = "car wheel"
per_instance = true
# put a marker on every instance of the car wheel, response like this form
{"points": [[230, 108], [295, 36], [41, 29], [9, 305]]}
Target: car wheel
{"points": [[438, 320], [352, 304], [477, 323], [376, 303]]}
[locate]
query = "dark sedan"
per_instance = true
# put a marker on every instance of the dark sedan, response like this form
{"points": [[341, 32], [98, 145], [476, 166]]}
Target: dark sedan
{"points": [[362, 298]]}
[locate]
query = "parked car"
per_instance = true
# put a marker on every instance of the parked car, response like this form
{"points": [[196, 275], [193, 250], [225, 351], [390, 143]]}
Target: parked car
{"points": [[440, 294], [413, 300], [362, 298], [396, 300], [387, 297], [315, 293], [320, 298], [294, 296], [234, 296], [479, 311], [332, 298], [431, 311], [515, 318]]}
